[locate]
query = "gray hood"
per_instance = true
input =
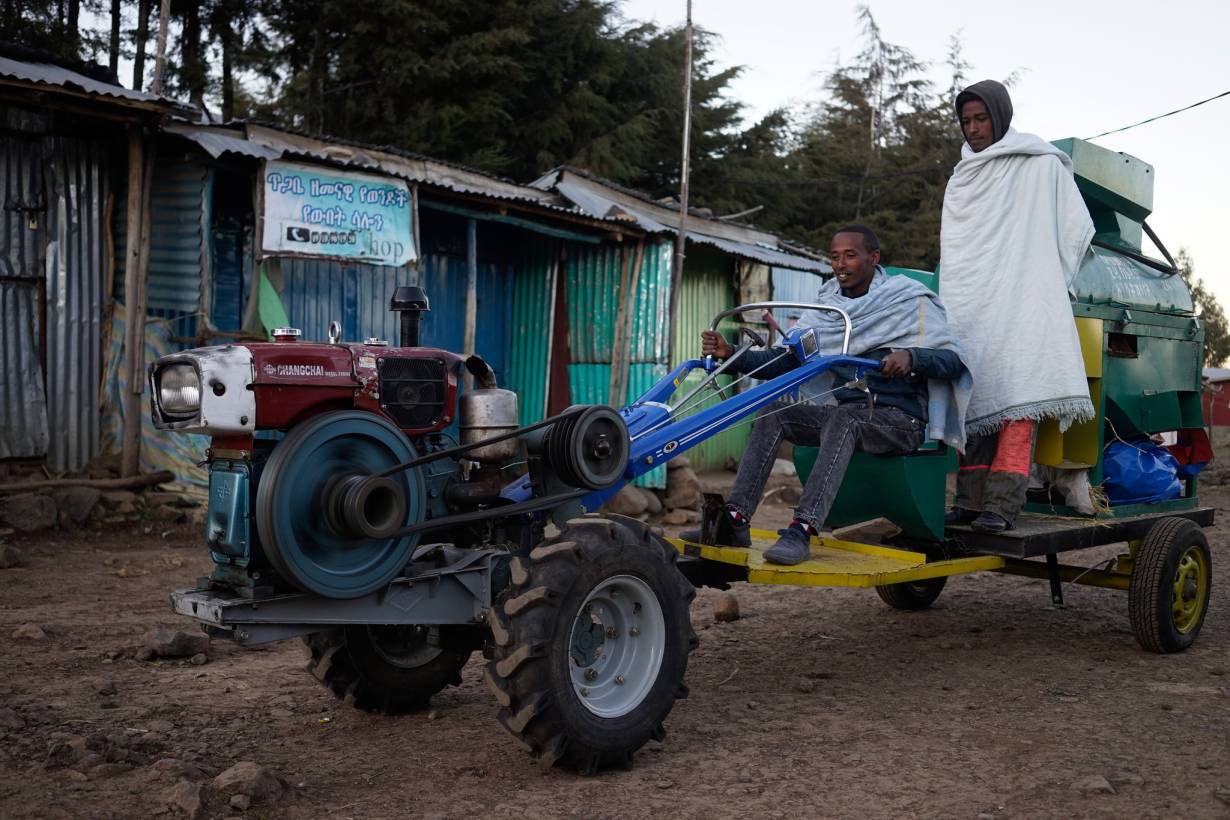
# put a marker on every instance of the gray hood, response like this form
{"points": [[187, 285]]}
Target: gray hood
{"points": [[994, 95]]}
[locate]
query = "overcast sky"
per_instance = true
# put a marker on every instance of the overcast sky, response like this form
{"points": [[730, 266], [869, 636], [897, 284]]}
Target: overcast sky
{"points": [[1087, 66]]}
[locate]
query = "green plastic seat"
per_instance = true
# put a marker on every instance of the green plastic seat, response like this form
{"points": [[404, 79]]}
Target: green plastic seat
{"points": [[908, 490]]}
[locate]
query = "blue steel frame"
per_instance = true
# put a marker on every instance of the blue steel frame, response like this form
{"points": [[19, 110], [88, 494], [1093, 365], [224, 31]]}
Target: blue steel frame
{"points": [[657, 436]]}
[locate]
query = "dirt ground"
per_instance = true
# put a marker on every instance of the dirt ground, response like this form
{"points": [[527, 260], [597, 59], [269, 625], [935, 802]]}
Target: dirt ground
{"points": [[816, 703]]}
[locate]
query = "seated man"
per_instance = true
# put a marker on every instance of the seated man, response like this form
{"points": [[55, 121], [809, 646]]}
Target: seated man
{"points": [[896, 321]]}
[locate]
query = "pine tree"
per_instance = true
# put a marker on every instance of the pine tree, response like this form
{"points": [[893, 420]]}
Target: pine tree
{"points": [[1208, 310]]}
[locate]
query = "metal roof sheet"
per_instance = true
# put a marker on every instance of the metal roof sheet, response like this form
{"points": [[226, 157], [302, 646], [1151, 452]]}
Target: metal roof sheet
{"points": [[609, 201], [219, 141], [1217, 374], [769, 256], [265, 142], [54, 75]]}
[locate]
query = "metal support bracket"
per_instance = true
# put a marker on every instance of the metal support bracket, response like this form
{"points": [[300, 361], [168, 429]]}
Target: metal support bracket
{"points": [[1052, 573], [459, 593]]}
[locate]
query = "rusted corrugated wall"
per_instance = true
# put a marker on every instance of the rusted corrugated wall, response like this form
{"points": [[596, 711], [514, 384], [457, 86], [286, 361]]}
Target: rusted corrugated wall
{"points": [[77, 192], [51, 297], [593, 302], [23, 404]]}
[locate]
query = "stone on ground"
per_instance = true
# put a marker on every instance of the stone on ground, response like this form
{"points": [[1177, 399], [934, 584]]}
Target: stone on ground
{"points": [[726, 608], [163, 642], [75, 504], [28, 512], [250, 779], [29, 632], [627, 501]]}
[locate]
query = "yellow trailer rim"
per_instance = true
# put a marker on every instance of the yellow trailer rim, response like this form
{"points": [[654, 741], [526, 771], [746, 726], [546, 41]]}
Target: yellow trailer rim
{"points": [[1190, 589]]}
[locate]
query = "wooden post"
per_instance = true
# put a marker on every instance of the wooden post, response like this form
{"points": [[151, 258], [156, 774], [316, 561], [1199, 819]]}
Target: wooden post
{"points": [[619, 342], [160, 60], [471, 322], [681, 239], [136, 270], [623, 330]]}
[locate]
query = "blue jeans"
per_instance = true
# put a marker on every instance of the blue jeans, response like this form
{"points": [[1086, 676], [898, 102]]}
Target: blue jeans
{"points": [[836, 430]]}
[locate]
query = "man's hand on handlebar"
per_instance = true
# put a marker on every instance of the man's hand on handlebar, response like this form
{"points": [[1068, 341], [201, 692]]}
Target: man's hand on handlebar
{"points": [[714, 344], [897, 363]]}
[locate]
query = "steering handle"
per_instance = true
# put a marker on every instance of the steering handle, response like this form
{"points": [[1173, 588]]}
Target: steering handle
{"points": [[735, 311]]}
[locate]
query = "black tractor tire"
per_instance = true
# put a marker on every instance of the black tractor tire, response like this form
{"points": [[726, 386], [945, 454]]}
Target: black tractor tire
{"points": [[1172, 548], [390, 669], [534, 666], [912, 596]]}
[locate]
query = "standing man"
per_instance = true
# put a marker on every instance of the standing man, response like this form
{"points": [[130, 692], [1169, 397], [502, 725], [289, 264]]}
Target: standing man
{"points": [[1014, 233], [896, 321]]}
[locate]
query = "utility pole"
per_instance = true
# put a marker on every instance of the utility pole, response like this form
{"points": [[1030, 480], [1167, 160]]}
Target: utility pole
{"points": [[681, 238], [160, 62]]}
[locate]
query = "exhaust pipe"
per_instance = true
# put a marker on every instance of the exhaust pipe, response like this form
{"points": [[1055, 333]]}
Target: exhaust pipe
{"points": [[411, 302]]}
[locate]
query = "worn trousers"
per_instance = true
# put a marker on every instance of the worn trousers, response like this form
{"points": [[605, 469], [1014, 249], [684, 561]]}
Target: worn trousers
{"points": [[837, 430], [994, 473]]}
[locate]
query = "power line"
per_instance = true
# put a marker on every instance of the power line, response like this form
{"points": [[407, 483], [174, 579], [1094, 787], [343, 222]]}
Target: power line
{"points": [[846, 178], [1161, 116]]}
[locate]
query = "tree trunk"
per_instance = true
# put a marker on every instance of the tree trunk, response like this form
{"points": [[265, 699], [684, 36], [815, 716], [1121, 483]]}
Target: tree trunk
{"points": [[193, 60], [115, 35], [138, 63], [316, 86], [228, 82], [74, 17]]}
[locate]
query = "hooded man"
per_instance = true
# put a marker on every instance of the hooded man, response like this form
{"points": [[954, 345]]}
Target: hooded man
{"points": [[1014, 233]]}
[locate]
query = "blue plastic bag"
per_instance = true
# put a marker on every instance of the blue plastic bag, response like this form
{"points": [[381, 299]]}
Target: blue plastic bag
{"points": [[1139, 473]]}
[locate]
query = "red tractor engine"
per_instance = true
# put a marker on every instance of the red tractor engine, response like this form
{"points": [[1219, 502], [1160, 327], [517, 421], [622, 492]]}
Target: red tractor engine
{"points": [[301, 433]]}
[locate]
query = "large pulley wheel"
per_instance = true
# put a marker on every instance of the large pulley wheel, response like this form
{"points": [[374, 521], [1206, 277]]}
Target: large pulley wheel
{"points": [[591, 644], [590, 449], [325, 521]]}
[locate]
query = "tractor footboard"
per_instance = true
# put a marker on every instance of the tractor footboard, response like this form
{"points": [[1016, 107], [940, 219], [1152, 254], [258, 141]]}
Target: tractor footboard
{"points": [[459, 593]]}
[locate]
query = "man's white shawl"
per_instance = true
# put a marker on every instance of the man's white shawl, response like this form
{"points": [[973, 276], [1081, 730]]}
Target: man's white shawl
{"points": [[897, 313], [1014, 233]]}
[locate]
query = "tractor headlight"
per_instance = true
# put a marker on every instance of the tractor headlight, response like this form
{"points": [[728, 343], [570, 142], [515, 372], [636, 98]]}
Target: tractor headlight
{"points": [[179, 390]]}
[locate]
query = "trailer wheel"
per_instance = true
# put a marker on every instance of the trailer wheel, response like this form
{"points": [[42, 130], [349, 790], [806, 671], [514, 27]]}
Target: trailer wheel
{"points": [[591, 644], [389, 669], [1168, 595], [912, 596]]}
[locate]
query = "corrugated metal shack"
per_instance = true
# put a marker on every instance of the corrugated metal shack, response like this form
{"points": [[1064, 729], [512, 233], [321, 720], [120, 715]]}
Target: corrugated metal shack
{"points": [[66, 137], [562, 285]]}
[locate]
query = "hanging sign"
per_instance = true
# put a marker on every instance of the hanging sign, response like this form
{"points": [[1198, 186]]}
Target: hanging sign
{"points": [[315, 211]]}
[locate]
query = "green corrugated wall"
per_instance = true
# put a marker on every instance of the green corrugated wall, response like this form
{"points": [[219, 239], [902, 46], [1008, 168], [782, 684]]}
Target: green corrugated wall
{"points": [[708, 289], [593, 275], [590, 384], [593, 302]]}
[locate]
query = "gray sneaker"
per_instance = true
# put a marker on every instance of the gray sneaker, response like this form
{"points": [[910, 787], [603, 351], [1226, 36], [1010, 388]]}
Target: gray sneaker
{"points": [[792, 547]]}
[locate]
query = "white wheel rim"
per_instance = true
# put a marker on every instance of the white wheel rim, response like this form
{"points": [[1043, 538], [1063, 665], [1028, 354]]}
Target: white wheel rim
{"points": [[612, 674]]}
